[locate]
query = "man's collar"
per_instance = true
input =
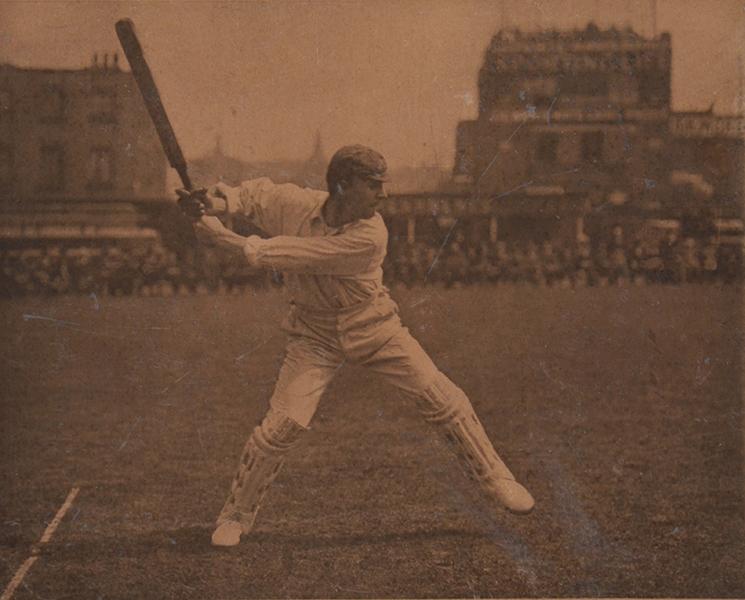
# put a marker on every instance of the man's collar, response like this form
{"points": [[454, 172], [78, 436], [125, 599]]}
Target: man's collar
{"points": [[317, 212], [317, 215]]}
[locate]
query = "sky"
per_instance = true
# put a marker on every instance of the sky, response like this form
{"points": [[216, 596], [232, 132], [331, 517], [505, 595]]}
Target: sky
{"points": [[397, 75]]}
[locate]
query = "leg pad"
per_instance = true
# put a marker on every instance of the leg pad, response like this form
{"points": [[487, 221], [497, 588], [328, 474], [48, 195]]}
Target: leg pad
{"points": [[446, 406], [261, 461]]}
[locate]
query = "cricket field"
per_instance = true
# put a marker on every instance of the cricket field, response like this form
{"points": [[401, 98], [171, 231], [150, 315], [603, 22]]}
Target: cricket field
{"points": [[619, 408]]}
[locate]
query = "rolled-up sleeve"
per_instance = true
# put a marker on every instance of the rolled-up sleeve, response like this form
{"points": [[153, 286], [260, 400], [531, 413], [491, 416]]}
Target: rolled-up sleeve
{"points": [[344, 254]]}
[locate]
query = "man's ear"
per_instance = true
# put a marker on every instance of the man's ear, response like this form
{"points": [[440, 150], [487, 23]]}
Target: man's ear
{"points": [[341, 186]]}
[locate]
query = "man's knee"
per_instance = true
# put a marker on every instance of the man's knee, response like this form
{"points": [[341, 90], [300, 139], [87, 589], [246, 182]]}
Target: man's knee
{"points": [[442, 401], [299, 407], [278, 432]]}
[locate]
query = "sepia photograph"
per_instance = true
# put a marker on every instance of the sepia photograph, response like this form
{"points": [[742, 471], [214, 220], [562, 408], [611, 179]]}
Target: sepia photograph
{"points": [[372, 299]]}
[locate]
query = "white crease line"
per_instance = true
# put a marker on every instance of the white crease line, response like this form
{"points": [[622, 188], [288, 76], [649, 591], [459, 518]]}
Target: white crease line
{"points": [[18, 577], [48, 532], [52, 527]]}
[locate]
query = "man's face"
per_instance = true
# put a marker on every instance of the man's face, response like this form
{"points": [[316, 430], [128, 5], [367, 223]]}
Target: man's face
{"points": [[363, 196]]}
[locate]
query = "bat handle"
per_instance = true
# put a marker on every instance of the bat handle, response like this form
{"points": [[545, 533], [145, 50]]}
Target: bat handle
{"points": [[185, 180]]}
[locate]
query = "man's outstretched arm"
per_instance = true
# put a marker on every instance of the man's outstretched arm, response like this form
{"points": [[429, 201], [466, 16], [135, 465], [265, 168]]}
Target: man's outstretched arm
{"points": [[211, 229], [349, 253], [273, 208]]}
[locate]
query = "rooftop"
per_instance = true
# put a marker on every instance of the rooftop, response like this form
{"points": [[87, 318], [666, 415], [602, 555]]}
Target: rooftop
{"points": [[590, 33]]}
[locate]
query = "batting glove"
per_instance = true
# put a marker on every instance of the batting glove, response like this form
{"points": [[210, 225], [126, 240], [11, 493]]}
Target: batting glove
{"points": [[192, 203]]}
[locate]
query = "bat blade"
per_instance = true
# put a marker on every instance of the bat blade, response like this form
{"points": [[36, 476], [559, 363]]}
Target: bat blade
{"points": [[141, 71]]}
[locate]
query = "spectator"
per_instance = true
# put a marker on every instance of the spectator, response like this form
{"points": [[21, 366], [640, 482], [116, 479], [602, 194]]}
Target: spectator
{"points": [[455, 264], [653, 265], [585, 269], [433, 267], [710, 260], [730, 262], [689, 261], [209, 269], [566, 264], [669, 257], [602, 265], [552, 271], [636, 263], [618, 268], [172, 273], [474, 258]]}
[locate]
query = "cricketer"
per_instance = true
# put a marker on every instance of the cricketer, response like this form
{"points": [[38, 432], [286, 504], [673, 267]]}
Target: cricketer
{"points": [[330, 247]]}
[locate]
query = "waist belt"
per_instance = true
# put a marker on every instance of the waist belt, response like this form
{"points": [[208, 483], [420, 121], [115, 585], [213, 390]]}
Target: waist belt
{"points": [[314, 311]]}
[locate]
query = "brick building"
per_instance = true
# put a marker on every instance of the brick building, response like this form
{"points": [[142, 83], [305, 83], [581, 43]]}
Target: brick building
{"points": [[76, 135], [581, 121]]}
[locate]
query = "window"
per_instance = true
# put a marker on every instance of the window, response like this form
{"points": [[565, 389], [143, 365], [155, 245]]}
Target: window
{"points": [[653, 88], [6, 103], [592, 146], [585, 84], [463, 164], [52, 176], [548, 144], [103, 105], [6, 167], [101, 169], [539, 92], [53, 104]]}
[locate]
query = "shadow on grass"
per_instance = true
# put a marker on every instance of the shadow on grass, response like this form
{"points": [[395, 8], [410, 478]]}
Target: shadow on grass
{"points": [[195, 540]]}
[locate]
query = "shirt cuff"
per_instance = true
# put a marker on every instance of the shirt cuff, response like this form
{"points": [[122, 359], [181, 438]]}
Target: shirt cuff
{"points": [[252, 250]]}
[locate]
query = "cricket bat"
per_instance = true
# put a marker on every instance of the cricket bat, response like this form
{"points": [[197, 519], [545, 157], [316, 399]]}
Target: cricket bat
{"points": [[125, 30]]}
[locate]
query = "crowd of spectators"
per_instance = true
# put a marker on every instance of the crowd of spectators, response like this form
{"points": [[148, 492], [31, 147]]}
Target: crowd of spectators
{"points": [[124, 268], [149, 268], [611, 261]]}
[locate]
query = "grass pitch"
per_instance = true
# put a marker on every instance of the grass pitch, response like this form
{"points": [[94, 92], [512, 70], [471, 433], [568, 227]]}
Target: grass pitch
{"points": [[620, 409]]}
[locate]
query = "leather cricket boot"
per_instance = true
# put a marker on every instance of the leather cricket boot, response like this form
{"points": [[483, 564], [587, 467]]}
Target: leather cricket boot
{"points": [[261, 461], [509, 492], [228, 533], [446, 406]]}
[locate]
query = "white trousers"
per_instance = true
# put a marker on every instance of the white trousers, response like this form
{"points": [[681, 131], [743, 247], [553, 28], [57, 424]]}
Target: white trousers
{"points": [[320, 343], [371, 336]]}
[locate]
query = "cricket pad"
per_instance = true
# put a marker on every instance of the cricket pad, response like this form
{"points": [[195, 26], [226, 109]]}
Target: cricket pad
{"points": [[445, 406], [262, 458]]}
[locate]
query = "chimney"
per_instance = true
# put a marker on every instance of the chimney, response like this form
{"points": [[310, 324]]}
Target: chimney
{"points": [[116, 60], [105, 61], [95, 60]]}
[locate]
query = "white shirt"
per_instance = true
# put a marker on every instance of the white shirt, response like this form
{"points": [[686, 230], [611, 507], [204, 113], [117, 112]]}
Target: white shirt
{"points": [[325, 268]]}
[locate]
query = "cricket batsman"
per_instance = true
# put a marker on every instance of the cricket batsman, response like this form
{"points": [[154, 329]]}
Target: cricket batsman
{"points": [[330, 247]]}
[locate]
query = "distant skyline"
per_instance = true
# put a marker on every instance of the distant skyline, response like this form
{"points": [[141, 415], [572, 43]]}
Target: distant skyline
{"points": [[266, 76]]}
